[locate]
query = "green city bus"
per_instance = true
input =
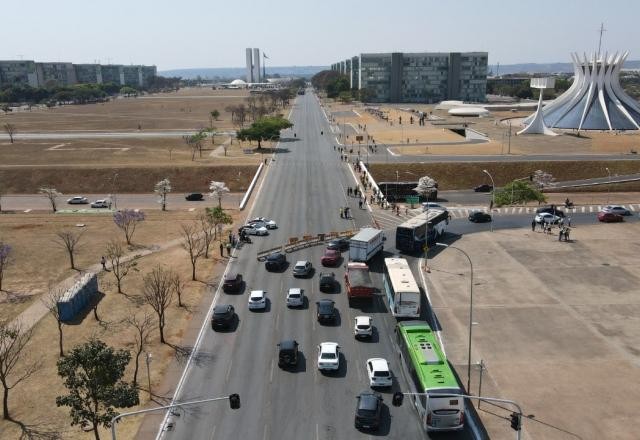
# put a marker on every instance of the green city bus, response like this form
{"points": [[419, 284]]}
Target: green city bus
{"points": [[425, 367]]}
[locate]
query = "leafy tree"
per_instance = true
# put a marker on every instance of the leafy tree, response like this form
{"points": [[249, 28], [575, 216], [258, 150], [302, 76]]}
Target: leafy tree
{"points": [[194, 142], [51, 194], [11, 131], [13, 342], [215, 114], [158, 289], [345, 97], [218, 217], [127, 220], [5, 260], [163, 188], [128, 91], [92, 373], [518, 191], [217, 190], [426, 186], [69, 241], [265, 128], [119, 267]]}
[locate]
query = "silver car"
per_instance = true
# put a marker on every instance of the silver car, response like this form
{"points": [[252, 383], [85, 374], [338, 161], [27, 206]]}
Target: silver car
{"points": [[616, 209], [78, 200], [302, 268], [295, 297]]}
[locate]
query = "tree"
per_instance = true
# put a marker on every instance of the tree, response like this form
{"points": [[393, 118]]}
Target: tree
{"points": [[69, 241], [194, 142], [5, 260], [208, 230], [163, 188], [13, 341], [217, 189], [214, 115], [128, 220], [142, 328], [158, 288], [426, 186], [119, 266], [51, 303], [265, 128], [518, 191], [178, 287], [345, 97], [128, 91], [51, 194], [92, 374], [193, 243], [218, 217], [11, 131]]}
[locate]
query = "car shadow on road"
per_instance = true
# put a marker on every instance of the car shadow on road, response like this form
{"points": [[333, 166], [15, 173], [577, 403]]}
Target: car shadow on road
{"points": [[373, 339], [301, 366], [340, 372]]}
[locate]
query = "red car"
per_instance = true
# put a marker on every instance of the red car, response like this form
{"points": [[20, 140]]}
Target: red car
{"points": [[331, 257], [609, 217]]}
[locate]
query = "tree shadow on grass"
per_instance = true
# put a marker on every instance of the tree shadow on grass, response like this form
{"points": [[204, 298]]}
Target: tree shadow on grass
{"points": [[11, 297], [182, 353], [37, 431]]}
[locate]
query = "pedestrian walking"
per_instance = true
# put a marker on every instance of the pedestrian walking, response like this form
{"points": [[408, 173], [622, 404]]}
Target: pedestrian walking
{"points": [[103, 261], [341, 212], [221, 249], [406, 211], [360, 203], [533, 225], [228, 249], [569, 221], [560, 233], [346, 213]]}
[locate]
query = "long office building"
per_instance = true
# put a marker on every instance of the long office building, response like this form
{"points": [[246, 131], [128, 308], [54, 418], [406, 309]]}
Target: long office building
{"points": [[418, 77], [34, 74]]}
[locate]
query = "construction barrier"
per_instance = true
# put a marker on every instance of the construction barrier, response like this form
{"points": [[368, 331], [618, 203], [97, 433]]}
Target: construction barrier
{"points": [[296, 243]]}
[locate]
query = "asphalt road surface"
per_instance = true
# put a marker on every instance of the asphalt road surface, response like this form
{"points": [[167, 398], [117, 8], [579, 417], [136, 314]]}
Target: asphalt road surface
{"points": [[302, 190]]}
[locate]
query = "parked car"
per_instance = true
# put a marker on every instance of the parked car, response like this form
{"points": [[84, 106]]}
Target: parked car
{"points": [[267, 223], [479, 217], [275, 261], [254, 230], [328, 356], [368, 410], [288, 353], [295, 297], [327, 281], [223, 316], [363, 327], [232, 282], [616, 209], [432, 205], [325, 310], [302, 268], [194, 197], [257, 300], [379, 373], [545, 217], [484, 188], [78, 200], [338, 244], [551, 209], [331, 257], [609, 217], [101, 203]]}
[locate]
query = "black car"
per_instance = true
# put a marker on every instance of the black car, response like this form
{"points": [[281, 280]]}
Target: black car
{"points": [[288, 353], [326, 310], [479, 217], [338, 244], [275, 261], [194, 197], [368, 410], [223, 316], [483, 188], [551, 209], [327, 281], [232, 282]]}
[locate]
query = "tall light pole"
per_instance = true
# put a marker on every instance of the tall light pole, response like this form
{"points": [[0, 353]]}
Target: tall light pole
{"points": [[113, 191], [470, 310], [397, 179], [608, 185], [493, 194], [148, 357]]}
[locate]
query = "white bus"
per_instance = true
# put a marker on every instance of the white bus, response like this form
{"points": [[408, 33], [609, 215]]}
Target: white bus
{"points": [[401, 288]]}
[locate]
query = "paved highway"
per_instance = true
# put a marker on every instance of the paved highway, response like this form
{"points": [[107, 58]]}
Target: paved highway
{"points": [[302, 191]]}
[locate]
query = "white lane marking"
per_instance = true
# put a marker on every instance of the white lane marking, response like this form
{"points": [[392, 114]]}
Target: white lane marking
{"points": [[277, 319], [226, 378], [391, 152], [213, 432], [265, 432], [631, 208], [317, 432], [271, 373]]}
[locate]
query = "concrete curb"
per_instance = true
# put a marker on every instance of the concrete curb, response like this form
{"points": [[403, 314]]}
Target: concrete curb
{"points": [[245, 199]]}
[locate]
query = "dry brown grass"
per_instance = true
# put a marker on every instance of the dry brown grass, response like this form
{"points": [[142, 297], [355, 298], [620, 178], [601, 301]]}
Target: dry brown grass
{"points": [[38, 260]]}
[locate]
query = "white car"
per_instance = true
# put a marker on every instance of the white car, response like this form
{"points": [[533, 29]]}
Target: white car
{"points": [[255, 230], [78, 200], [616, 209], [379, 373], [545, 217], [302, 268], [263, 221], [100, 204], [432, 205], [328, 356], [363, 327], [257, 300], [295, 297]]}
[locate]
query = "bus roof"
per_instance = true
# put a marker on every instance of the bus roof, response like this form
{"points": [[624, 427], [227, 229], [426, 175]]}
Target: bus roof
{"points": [[429, 216], [429, 361], [400, 275]]}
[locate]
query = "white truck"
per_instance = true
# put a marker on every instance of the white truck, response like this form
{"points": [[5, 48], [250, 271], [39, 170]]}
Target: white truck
{"points": [[365, 244]]}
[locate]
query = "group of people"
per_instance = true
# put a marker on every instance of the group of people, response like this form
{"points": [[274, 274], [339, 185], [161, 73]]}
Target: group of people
{"points": [[547, 228], [345, 212]]}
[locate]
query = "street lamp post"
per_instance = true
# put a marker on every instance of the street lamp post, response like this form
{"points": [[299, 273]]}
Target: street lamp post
{"points": [[148, 357], [608, 185], [470, 310], [113, 191], [493, 194], [397, 181]]}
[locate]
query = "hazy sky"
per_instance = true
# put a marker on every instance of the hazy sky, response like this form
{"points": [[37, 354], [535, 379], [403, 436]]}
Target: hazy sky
{"points": [[214, 33]]}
